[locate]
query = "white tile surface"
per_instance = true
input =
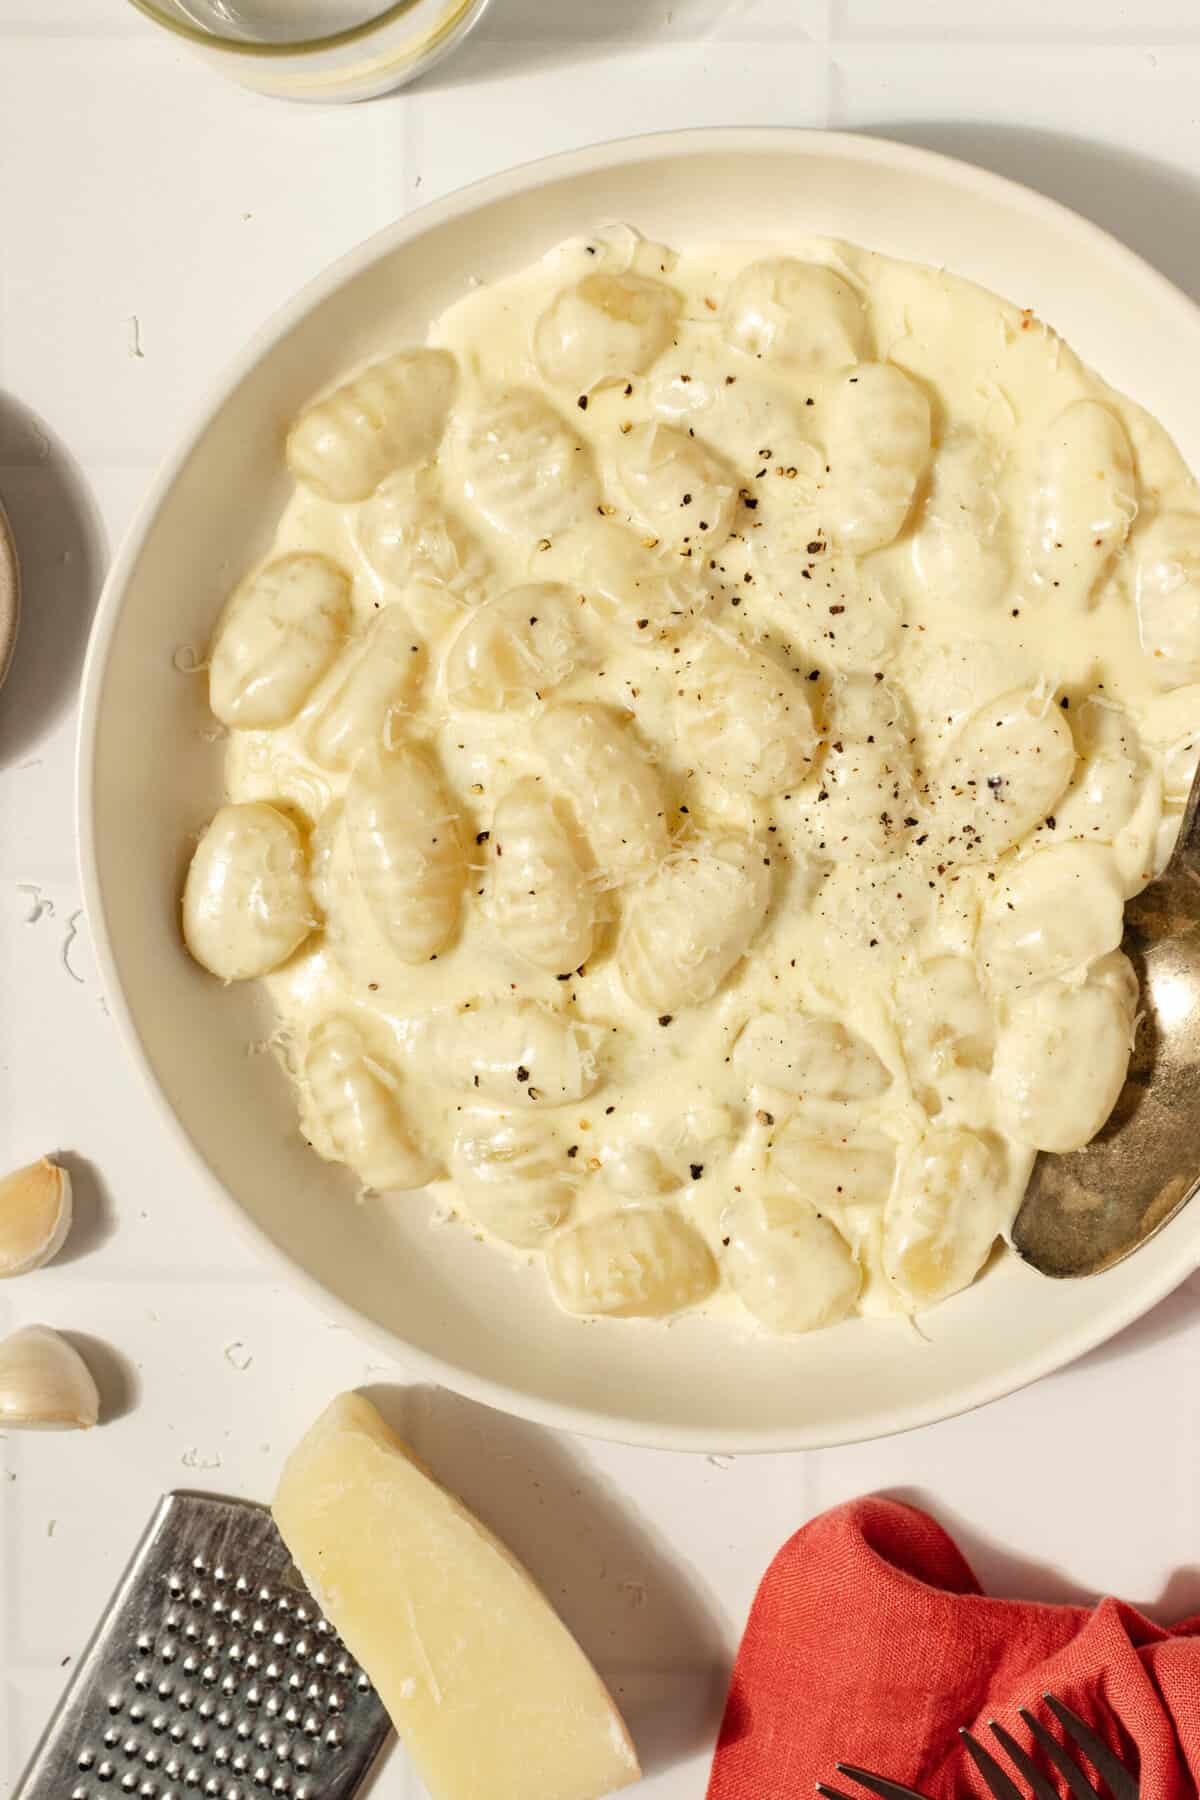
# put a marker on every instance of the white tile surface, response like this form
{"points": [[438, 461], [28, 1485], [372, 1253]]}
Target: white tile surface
{"points": [[133, 183]]}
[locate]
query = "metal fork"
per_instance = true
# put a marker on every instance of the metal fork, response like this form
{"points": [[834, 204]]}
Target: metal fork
{"points": [[1118, 1781]]}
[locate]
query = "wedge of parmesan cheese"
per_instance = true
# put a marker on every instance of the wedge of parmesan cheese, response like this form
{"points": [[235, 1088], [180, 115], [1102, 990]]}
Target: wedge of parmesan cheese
{"points": [[491, 1694]]}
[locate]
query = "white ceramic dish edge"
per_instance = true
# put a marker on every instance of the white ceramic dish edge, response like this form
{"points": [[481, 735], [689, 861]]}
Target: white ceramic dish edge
{"points": [[1177, 1251]]}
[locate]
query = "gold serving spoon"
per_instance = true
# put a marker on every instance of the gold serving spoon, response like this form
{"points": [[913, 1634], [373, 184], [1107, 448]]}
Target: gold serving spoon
{"points": [[1091, 1208]]}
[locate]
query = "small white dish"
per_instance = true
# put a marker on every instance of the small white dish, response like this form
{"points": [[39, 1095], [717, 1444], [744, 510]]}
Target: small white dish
{"points": [[10, 594], [452, 1310]]}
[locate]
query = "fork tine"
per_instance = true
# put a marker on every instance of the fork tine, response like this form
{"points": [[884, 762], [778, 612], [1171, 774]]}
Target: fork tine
{"points": [[879, 1784], [1109, 1767], [1000, 1784], [1070, 1771], [831, 1793], [1022, 1762]]}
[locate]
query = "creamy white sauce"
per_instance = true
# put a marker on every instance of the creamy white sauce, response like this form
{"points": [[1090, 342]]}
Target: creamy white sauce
{"points": [[765, 677]]}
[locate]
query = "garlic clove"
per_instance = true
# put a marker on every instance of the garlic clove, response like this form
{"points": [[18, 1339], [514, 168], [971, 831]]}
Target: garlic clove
{"points": [[35, 1216], [45, 1383]]}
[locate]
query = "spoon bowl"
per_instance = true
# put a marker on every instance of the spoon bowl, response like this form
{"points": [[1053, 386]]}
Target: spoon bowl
{"points": [[1091, 1208]]}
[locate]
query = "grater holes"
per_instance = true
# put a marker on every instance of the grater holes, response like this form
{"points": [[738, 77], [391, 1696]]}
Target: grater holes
{"points": [[191, 1776], [175, 1585], [186, 1699], [173, 1618], [310, 1725], [335, 1737], [220, 1574], [158, 1724], [148, 1791], [362, 1684], [137, 1712], [259, 1626], [225, 1718], [79, 1792], [322, 1659], [212, 1787], [191, 1664], [281, 1785], [112, 1738], [177, 1732], [168, 1650], [302, 1757], [142, 1680], [323, 1626], [145, 1643], [165, 1689], [105, 1772], [199, 1565], [191, 1632], [342, 1666], [115, 1703], [196, 1595], [131, 1746], [129, 1782], [220, 1606], [333, 1701]]}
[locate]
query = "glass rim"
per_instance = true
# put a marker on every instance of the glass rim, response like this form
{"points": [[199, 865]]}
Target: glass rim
{"points": [[196, 34]]}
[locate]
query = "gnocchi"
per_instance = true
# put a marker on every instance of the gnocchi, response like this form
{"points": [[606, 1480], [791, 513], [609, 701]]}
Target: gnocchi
{"points": [[604, 328], [952, 1201], [1059, 911], [277, 637], [509, 1176], [354, 1114], [512, 1054], [377, 679], [641, 1262], [524, 470], [877, 443], [411, 538], [680, 491], [798, 311], [690, 743], [817, 1059], [616, 790], [246, 902], [865, 801], [961, 545], [789, 1265], [390, 417], [1083, 502], [406, 843], [513, 650], [541, 899], [1049, 1095], [1004, 773], [693, 922], [745, 721], [1168, 598]]}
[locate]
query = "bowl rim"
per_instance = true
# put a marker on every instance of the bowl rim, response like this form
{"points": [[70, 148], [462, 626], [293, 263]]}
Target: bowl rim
{"points": [[888, 1420]]}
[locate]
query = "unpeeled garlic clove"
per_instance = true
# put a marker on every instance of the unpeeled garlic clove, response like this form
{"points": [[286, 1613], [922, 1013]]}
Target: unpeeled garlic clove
{"points": [[35, 1216], [45, 1383]]}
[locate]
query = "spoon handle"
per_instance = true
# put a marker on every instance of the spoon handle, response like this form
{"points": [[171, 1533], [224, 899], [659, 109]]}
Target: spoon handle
{"points": [[1185, 858]]}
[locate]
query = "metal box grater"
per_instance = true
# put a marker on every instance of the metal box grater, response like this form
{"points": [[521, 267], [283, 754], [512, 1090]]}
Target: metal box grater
{"points": [[213, 1673]]}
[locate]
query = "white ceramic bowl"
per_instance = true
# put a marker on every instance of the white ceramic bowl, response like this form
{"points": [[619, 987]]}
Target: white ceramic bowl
{"points": [[450, 1309]]}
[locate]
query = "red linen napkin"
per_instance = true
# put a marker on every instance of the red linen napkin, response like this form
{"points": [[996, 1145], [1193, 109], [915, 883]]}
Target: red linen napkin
{"points": [[870, 1642]]}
